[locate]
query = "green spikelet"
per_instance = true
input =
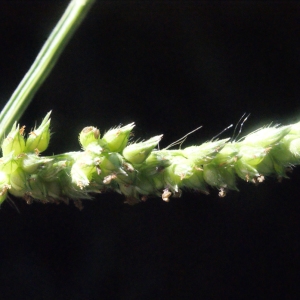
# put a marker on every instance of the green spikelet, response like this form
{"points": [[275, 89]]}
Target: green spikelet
{"points": [[138, 153], [39, 138], [4, 186], [180, 169], [8, 164], [204, 153], [89, 135], [219, 176], [116, 139], [14, 142], [266, 137], [18, 182], [138, 170]]}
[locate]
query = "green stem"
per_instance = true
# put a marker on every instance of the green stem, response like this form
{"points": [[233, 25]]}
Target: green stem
{"points": [[44, 62]]}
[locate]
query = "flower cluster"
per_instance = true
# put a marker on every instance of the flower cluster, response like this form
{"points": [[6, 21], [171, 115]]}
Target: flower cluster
{"points": [[139, 170]]}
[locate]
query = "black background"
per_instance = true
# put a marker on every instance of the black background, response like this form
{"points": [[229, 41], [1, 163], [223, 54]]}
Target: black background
{"points": [[170, 66]]}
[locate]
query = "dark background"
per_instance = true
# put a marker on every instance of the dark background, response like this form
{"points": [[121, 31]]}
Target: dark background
{"points": [[170, 66]]}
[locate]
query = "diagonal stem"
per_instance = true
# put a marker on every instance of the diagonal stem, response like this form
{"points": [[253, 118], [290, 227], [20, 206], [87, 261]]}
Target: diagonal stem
{"points": [[44, 62]]}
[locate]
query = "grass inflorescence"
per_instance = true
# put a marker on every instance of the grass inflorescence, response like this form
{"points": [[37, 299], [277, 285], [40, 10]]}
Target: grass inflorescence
{"points": [[139, 170]]}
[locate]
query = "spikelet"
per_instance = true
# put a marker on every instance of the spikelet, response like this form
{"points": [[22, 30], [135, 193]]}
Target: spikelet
{"points": [[116, 139], [39, 138]]}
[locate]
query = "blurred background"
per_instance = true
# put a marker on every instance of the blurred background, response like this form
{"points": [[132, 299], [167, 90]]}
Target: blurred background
{"points": [[169, 66]]}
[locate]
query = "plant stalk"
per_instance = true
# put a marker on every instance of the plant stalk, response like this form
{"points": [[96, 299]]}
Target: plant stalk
{"points": [[44, 63]]}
